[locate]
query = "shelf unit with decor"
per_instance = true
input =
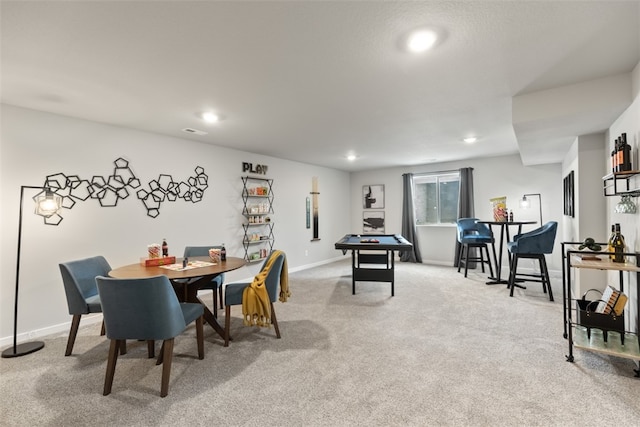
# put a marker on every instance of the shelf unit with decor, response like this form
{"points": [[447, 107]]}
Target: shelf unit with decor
{"points": [[620, 183], [585, 328], [257, 199]]}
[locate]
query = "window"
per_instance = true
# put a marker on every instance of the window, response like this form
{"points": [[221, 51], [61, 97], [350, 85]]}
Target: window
{"points": [[436, 198]]}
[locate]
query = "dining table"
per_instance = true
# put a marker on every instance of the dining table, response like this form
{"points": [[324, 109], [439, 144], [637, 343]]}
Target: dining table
{"points": [[185, 280], [504, 232]]}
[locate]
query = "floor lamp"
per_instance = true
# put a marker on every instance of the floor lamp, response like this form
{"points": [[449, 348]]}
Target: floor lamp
{"points": [[525, 203], [47, 204]]}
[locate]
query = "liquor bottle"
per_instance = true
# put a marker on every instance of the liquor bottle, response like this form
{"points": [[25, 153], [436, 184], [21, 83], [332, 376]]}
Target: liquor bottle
{"points": [[165, 248], [223, 253], [610, 242], [618, 156], [618, 245], [626, 153], [510, 215]]}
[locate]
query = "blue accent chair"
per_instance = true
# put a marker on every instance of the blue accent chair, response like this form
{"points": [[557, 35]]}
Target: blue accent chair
{"points": [[216, 282], [233, 294], [533, 245], [79, 279], [472, 234], [146, 309]]}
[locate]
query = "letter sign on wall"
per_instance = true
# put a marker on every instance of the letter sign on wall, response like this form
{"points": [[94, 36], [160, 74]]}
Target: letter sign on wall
{"points": [[250, 168]]}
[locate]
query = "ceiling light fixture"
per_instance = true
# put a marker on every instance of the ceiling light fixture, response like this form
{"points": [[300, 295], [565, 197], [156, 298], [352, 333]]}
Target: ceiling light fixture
{"points": [[351, 157], [421, 40], [210, 117], [470, 139]]}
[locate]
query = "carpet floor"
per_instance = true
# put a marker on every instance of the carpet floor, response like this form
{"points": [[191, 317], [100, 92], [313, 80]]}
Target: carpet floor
{"points": [[444, 351]]}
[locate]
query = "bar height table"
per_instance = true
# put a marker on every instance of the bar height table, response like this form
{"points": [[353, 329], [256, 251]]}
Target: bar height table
{"points": [[504, 229]]}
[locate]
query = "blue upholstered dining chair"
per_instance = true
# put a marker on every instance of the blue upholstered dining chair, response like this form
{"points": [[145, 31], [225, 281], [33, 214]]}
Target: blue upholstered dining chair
{"points": [[233, 293], [216, 282], [79, 279], [146, 309], [534, 245], [472, 234]]}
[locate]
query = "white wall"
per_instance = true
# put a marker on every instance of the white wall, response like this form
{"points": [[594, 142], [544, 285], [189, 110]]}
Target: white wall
{"points": [[36, 144], [585, 160], [492, 177], [628, 122]]}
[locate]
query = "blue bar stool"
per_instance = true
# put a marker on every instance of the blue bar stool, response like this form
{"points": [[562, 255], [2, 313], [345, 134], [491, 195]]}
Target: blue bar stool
{"points": [[471, 234]]}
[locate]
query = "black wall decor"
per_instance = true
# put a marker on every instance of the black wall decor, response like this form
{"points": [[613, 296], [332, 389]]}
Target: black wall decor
{"points": [[111, 189], [568, 195]]}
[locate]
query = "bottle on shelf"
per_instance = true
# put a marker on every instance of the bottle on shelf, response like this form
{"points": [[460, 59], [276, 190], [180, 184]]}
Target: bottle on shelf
{"points": [[223, 253], [510, 215], [165, 248], [626, 153], [610, 242], [618, 245]]}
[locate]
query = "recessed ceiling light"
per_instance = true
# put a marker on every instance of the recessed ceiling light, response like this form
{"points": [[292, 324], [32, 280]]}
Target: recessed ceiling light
{"points": [[210, 117], [470, 139], [421, 40], [351, 157]]}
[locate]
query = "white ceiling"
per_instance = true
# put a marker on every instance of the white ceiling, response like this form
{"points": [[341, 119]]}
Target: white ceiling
{"points": [[312, 81]]}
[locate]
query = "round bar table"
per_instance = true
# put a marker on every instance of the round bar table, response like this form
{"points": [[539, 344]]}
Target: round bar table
{"points": [[185, 282], [504, 229]]}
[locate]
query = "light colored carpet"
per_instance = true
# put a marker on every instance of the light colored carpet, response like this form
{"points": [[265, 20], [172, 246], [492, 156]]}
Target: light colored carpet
{"points": [[444, 351]]}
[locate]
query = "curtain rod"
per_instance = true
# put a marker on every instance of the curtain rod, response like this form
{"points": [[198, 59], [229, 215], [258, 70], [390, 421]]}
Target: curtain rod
{"points": [[438, 172]]}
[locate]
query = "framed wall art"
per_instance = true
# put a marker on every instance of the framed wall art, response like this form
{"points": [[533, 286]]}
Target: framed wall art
{"points": [[568, 195], [373, 196], [373, 222]]}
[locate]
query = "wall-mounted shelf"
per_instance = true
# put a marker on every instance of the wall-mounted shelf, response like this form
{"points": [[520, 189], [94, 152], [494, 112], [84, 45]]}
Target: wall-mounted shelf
{"points": [[618, 184], [257, 199]]}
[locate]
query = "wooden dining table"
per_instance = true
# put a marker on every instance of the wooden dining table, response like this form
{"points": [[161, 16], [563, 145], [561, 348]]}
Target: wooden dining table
{"points": [[186, 282], [504, 232]]}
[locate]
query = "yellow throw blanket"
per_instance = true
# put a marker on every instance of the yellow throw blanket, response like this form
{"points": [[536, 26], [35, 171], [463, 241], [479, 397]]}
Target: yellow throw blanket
{"points": [[256, 305]]}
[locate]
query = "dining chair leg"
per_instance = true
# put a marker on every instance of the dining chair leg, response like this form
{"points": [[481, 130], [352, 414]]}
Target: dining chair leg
{"points": [[545, 272], [274, 320], [151, 348], [200, 336], [111, 365], [220, 296], [123, 347], [512, 275], [215, 304], [166, 366], [161, 355], [227, 324], [466, 259], [103, 329], [75, 323]]}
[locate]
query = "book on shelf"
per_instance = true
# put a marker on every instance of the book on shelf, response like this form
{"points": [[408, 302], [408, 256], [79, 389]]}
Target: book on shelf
{"points": [[612, 301]]}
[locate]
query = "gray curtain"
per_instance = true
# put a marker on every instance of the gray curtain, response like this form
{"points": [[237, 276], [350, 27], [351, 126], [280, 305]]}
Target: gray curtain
{"points": [[465, 205], [408, 220]]}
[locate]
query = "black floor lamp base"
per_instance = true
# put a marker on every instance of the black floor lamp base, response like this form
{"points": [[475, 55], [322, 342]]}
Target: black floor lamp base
{"points": [[23, 349]]}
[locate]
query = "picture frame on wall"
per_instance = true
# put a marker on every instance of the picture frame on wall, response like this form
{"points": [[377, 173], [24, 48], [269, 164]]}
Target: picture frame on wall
{"points": [[373, 196], [568, 185], [373, 222]]}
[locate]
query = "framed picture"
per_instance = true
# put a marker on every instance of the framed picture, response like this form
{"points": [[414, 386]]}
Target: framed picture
{"points": [[373, 222], [373, 196], [568, 195]]}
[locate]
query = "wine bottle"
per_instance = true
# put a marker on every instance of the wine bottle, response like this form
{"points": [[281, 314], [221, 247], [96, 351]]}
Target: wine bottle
{"points": [[618, 245], [223, 253], [619, 153], [610, 242], [165, 248], [626, 153]]}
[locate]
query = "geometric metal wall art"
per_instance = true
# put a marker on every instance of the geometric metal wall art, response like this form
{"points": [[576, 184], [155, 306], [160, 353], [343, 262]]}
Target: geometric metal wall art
{"points": [[109, 190]]}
